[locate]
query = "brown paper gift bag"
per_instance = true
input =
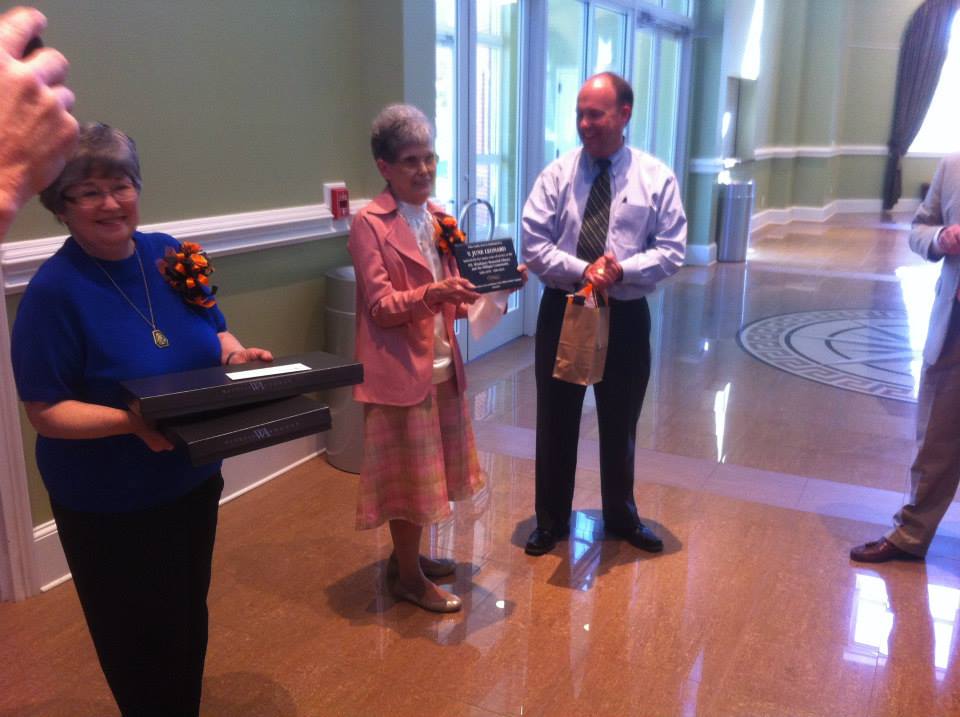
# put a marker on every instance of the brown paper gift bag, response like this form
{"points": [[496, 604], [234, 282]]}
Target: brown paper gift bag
{"points": [[582, 351]]}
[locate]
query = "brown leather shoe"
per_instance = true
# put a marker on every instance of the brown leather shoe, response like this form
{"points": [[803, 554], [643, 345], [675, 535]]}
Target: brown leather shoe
{"points": [[880, 551]]}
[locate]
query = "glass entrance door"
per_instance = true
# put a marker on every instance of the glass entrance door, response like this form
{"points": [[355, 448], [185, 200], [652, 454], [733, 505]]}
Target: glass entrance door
{"points": [[478, 125], [658, 65]]}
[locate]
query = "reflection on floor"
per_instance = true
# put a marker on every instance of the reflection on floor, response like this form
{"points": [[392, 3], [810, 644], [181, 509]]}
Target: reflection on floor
{"points": [[758, 480]]}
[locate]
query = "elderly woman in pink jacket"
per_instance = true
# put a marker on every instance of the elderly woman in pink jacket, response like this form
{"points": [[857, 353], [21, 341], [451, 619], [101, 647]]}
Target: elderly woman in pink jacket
{"points": [[419, 450]]}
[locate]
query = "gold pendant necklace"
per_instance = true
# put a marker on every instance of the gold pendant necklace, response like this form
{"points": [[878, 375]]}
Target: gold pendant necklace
{"points": [[159, 339]]}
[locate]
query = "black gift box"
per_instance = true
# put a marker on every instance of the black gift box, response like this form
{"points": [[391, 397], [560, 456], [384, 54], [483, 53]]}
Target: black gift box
{"points": [[213, 436], [211, 416], [209, 389]]}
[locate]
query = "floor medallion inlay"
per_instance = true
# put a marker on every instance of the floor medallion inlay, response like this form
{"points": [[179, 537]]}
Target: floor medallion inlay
{"points": [[863, 350]]}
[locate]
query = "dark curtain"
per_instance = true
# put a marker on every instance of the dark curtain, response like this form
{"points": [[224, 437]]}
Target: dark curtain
{"points": [[922, 52]]}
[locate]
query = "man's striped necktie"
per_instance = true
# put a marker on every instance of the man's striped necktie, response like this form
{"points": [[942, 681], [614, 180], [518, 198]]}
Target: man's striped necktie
{"points": [[596, 217]]}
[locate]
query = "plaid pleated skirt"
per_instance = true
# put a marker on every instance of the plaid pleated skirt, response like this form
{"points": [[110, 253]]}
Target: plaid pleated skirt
{"points": [[417, 459]]}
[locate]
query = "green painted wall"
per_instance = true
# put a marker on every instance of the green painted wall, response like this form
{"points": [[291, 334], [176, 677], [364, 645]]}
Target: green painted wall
{"points": [[828, 78], [821, 70], [788, 68], [236, 105], [242, 106]]}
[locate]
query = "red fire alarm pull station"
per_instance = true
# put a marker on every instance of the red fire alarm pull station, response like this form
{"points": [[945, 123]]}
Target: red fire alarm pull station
{"points": [[339, 202]]}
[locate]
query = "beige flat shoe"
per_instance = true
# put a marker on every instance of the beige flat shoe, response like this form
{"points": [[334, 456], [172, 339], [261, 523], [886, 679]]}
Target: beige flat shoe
{"points": [[431, 567], [453, 604]]}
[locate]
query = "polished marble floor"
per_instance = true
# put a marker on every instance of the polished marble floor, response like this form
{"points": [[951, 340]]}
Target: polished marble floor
{"points": [[758, 479]]}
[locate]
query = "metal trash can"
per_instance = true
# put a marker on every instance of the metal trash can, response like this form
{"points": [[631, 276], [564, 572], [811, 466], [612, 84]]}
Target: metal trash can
{"points": [[734, 210], [345, 437]]}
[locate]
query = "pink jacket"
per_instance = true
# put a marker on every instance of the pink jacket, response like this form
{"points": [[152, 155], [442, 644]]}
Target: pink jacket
{"points": [[394, 324]]}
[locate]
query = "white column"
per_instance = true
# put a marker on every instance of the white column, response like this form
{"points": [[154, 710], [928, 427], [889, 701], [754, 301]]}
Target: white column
{"points": [[18, 574]]}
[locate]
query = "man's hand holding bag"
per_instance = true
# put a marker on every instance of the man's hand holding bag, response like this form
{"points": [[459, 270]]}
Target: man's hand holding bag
{"points": [[582, 351]]}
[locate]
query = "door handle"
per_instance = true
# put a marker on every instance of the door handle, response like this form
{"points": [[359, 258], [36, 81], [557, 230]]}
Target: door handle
{"points": [[484, 203]]}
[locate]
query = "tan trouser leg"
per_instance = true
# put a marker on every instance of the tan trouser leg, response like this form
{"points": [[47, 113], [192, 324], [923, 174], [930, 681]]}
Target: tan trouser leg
{"points": [[935, 472]]}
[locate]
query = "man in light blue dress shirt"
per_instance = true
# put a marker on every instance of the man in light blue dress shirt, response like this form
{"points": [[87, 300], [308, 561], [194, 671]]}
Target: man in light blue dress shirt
{"points": [[634, 216]]}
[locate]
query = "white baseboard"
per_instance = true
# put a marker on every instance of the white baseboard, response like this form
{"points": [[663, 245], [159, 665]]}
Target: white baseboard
{"points": [[770, 216], [241, 474], [822, 214], [701, 254]]}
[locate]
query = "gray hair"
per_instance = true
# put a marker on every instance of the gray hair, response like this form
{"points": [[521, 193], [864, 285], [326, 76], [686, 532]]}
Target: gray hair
{"points": [[101, 151], [396, 127]]}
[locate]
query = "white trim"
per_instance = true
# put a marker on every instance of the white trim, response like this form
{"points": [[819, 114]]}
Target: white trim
{"points": [[219, 235], [874, 46], [52, 565], [907, 205], [701, 254], [532, 159], [706, 165], [925, 155], [794, 214], [823, 151], [835, 150], [247, 487], [18, 574], [822, 214]]}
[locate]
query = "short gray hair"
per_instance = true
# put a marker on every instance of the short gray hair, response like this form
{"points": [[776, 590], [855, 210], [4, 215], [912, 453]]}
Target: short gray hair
{"points": [[101, 150], [396, 127]]}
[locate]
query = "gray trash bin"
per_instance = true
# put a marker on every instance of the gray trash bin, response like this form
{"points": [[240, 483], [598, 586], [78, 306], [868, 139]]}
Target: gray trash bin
{"points": [[734, 210], [345, 437]]}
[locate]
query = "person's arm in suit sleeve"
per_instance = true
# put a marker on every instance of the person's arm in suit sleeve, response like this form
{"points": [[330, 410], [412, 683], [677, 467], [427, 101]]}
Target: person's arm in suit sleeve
{"points": [[668, 245], [539, 234], [387, 306], [927, 223]]}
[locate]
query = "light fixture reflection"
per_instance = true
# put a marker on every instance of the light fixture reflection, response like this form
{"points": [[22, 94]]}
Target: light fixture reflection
{"points": [[586, 552], [604, 52], [916, 287], [501, 604], [873, 619], [750, 66], [720, 403], [944, 603]]}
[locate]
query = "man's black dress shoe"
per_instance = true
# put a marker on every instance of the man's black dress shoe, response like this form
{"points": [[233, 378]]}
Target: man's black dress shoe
{"points": [[541, 541], [880, 551], [640, 536]]}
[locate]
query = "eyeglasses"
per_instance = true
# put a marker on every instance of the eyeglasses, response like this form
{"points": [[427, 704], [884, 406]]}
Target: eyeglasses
{"points": [[412, 163], [90, 198]]}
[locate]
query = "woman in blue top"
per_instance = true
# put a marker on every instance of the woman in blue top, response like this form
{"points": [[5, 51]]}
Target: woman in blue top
{"points": [[136, 520]]}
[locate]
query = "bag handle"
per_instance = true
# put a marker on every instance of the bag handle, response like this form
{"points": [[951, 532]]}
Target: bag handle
{"points": [[584, 294]]}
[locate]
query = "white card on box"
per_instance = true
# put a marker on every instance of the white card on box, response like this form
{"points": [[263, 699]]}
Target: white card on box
{"points": [[268, 371]]}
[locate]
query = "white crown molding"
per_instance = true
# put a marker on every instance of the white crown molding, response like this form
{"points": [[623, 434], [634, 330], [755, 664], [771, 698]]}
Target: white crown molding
{"points": [[833, 150], [824, 151], [713, 165], [219, 235]]}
